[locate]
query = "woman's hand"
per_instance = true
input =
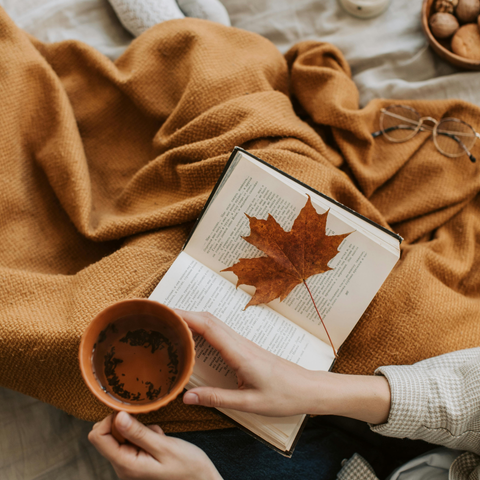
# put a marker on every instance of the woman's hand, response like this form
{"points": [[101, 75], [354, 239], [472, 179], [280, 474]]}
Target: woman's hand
{"points": [[151, 455], [267, 384], [270, 385]]}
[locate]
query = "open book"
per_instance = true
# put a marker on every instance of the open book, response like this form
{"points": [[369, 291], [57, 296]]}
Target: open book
{"points": [[290, 329]]}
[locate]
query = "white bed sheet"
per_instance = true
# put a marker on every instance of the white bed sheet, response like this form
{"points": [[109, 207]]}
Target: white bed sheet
{"points": [[389, 58], [389, 54]]}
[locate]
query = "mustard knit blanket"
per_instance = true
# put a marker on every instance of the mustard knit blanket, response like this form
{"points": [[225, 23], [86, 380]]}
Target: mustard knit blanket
{"points": [[106, 165]]}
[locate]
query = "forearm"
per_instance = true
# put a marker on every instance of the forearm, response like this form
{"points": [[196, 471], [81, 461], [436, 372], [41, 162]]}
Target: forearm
{"points": [[435, 400], [361, 397]]}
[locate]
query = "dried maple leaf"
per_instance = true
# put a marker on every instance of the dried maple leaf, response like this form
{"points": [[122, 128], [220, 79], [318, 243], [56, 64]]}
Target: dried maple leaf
{"points": [[292, 257]]}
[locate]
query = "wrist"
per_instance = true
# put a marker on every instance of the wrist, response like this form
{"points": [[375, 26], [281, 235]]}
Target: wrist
{"points": [[362, 397]]}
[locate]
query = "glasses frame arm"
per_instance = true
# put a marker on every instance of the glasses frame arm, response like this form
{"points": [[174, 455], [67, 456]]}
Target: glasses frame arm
{"points": [[408, 127]]}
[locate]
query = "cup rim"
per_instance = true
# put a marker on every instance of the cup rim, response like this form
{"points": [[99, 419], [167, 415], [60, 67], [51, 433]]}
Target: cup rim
{"points": [[138, 305]]}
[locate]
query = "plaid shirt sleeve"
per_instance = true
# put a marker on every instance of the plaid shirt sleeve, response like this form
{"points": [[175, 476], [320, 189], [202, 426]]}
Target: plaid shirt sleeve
{"points": [[356, 468], [436, 400]]}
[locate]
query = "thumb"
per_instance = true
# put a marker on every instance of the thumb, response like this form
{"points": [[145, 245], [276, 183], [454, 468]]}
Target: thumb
{"points": [[138, 434], [219, 398]]}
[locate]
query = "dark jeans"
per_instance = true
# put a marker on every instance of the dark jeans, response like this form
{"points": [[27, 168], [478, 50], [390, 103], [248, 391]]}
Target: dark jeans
{"points": [[324, 443]]}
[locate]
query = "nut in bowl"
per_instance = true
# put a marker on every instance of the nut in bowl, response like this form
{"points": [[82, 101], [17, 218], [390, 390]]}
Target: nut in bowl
{"points": [[137, 355], [444, 24]]}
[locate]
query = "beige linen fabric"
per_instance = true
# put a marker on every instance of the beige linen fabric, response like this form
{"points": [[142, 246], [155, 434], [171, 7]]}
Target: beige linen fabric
{"points": [[106, 165]]}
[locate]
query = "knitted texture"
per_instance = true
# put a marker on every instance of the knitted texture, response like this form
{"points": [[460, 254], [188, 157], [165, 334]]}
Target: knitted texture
{"points": [[206, 9], [139, 15], [105, 166]]}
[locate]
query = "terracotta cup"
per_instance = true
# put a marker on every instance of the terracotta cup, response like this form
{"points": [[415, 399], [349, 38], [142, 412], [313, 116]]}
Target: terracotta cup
{"points": [[136, 355]]}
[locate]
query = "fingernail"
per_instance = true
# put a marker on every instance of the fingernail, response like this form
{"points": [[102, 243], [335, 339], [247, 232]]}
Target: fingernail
{"points": [[124, 420], [190, 398]]}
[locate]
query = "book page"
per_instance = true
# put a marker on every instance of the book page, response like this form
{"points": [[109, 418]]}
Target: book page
{"points": [[388, 241], [189, 285], [341, 294]]}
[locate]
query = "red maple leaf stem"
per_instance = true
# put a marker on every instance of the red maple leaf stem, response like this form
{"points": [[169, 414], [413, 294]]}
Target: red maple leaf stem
{"points": [[320, 317]]}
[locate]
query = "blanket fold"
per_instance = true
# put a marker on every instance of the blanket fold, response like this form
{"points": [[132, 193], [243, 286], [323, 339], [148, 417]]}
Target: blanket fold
{"points": [[106, 165]]}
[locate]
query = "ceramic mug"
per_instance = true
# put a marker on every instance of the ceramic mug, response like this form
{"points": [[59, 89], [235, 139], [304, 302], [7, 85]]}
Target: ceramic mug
{"points": [[136, 355]]}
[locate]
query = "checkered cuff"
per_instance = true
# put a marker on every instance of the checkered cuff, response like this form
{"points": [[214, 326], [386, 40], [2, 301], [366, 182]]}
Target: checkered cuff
{"points": [[409, 397], [356, 468], [466, 467], [436, 400]]}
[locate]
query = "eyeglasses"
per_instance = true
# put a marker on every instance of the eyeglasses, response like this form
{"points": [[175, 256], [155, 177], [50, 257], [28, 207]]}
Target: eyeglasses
{"points": [[452, 137]]}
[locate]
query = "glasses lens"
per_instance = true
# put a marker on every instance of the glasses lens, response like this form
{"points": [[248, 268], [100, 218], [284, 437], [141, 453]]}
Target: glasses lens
{"points": [[399, 123], [454, 137]]}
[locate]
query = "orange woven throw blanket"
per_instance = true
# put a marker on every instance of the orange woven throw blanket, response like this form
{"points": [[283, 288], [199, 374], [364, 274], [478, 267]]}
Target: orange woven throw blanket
{"points": [[104, 167]]}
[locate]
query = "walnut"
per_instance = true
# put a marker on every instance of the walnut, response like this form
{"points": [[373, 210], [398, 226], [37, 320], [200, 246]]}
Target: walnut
{"points": [[445, 6], [443, 25], [467, 10]]}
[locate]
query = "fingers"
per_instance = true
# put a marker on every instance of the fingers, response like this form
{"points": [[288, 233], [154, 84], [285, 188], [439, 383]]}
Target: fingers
{"points": [[102, 439], [105, 426], [217, 334], [156, 429], [139, 434], [220, 398]]}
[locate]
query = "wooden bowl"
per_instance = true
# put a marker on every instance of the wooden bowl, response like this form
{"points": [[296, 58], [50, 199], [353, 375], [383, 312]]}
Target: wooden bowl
{"points": [[442, 47]]}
